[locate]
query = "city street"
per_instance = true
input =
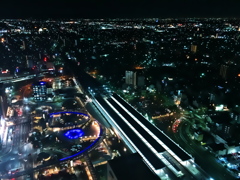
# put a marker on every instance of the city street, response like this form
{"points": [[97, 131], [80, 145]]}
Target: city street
{"points": [[202, 157], [16, 157]]}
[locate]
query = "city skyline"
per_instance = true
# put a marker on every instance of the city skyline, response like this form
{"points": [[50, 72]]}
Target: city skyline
{"points": [[80, 96]]}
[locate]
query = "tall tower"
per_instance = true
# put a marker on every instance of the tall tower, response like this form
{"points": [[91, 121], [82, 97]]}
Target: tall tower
{"points": [[40, 91], [29, 62], [194, 48], [223, 71], [23, 45], [131, 78], [140, 81]]}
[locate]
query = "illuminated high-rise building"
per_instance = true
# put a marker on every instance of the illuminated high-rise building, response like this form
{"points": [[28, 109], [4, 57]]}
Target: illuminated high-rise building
{"points": [[131, 78], [194, 48], [23, 45], [223, 71], [141, 81], [40, 91], [29, 61]]}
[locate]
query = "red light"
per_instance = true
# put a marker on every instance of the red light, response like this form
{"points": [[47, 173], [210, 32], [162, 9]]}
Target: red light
{"points": [[45, 59]]}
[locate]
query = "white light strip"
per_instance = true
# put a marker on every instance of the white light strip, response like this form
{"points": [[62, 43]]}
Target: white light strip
{"points": [[116, 125], [146, 160], [163, 159], [4, 131], [160, 172], [152, 134]]}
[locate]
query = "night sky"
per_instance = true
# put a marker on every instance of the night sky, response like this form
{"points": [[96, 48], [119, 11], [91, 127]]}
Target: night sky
{"points": [[118, 8]]}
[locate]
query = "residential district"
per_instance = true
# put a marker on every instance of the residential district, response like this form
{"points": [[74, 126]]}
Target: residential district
{"points": [[119, 99]]}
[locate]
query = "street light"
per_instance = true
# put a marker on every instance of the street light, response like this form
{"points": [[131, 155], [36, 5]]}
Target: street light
{"points": [[27, 108]]}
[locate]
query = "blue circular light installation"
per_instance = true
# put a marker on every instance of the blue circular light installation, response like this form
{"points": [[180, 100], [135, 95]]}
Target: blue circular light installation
{"points": [[74, 133]]}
